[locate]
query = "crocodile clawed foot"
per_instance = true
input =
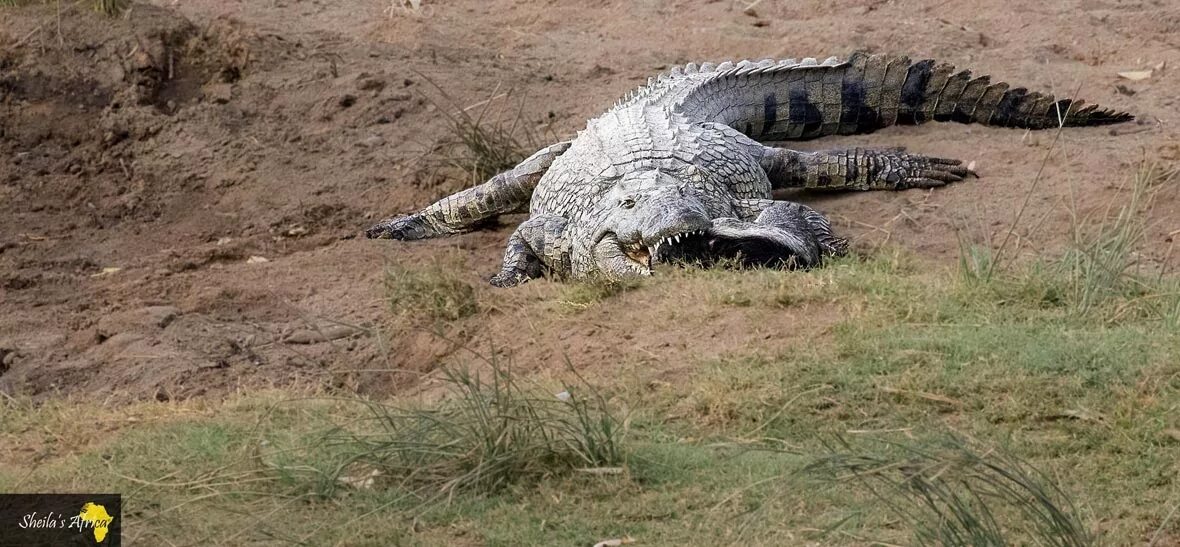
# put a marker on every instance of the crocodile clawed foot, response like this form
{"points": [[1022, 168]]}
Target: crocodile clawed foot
{"points": [[508, 280], [404, 228], [900, 171]]}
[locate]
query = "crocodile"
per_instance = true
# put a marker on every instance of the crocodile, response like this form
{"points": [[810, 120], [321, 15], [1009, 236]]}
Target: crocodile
{"points": [[677, 170]]}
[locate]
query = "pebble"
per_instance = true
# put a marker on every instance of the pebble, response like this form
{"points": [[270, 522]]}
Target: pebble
{"points": [[370, 84], [371, 141], [161, 316]]}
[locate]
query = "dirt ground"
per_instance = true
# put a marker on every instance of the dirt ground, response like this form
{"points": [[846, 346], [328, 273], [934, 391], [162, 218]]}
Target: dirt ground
{"points": [[149, 163]]}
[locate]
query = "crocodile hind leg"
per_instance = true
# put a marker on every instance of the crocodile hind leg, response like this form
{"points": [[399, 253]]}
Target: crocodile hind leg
{"points": [[537, 245], [859, 169], [796, 218], [505, 193], [774, 233]]}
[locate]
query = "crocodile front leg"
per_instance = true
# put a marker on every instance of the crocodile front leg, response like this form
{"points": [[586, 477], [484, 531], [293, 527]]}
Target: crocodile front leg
{"points": [[859, 169], [505, 193], [537, 245]]}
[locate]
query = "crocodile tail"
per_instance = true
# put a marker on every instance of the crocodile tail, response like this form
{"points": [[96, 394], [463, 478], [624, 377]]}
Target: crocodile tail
{"points": [[789, 100], [914, 93]]}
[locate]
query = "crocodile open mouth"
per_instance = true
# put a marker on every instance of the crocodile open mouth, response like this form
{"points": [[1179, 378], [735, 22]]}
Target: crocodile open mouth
{"points": [[682, 247], [721, 244], [638, 254], [640, 257]]}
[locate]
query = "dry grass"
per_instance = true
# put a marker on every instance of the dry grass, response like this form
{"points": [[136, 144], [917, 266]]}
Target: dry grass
{"points": [[1100, 265], [483, 139], [577, 296], [109, 8], [437, 291]]}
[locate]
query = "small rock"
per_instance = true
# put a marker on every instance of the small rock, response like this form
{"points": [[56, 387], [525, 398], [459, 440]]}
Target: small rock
{"points": [[371, 141], [1136, 75], [107, 271], [120, 340], [370, 84], [257, 260], [161, 316], [615, 542], [346, 100], [361, 482]]}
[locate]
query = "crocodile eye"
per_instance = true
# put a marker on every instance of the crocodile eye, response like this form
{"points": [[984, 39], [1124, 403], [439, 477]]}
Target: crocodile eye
{"points": [[627, 203]]}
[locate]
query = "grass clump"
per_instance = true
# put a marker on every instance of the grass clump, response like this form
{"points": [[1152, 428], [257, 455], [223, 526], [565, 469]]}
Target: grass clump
{"points": [[582, 294], [435, 291], [487, 434], [483, 144], [1100, 272], [1101, 262], [952, 494]]}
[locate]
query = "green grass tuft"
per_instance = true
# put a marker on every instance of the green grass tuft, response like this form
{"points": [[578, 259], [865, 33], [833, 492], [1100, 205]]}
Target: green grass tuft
{"points": [[435, 291], [583, 294], [489, 434], [1099, 274], [954, 495]]}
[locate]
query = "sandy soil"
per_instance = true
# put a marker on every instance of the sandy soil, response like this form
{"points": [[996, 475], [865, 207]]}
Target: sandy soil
{"points": [[145, 160]]}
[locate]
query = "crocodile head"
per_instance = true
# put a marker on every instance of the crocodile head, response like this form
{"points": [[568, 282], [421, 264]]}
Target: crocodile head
{"points": [[655, 217]]}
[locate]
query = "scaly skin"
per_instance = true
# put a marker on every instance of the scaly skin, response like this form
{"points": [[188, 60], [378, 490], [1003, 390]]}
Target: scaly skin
{"points": [[676, 172]]}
